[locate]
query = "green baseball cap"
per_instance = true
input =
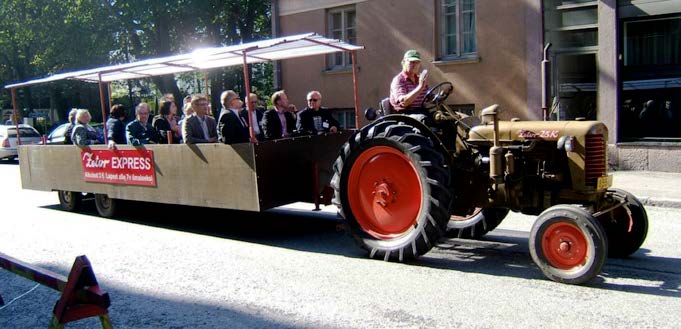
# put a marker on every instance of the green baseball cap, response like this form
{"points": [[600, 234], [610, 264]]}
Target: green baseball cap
{"points": [[412, 55]]}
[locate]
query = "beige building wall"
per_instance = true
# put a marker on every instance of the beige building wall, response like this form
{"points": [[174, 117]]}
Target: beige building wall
{"points": [[508, 43]]}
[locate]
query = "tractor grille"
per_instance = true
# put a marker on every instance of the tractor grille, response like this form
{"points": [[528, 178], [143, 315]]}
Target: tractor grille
{"points": [[595, 163]]}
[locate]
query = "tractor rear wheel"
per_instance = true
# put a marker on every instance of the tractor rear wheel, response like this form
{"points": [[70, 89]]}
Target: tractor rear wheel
{"points": [[568, 244], [391, 189], [627, 226], [477, 224]]}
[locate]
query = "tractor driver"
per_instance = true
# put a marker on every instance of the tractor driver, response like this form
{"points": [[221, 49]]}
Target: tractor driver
{"points": [[408, 88]]}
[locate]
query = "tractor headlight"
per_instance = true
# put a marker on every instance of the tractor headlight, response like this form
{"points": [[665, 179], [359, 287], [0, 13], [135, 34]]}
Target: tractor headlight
{"points": [[566, 143]]}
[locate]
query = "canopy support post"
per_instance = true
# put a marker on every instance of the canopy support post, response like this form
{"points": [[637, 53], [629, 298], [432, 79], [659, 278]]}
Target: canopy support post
{"points": [[205, 83], [249, 107], [16, 114], [101, 102], [354, 86]]}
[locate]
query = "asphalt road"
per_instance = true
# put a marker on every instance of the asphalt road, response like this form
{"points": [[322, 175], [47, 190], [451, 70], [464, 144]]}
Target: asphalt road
{"points": [[293, 269]]}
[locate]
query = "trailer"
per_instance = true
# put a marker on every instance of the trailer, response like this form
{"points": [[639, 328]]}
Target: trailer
{"points": [[253, 176]]}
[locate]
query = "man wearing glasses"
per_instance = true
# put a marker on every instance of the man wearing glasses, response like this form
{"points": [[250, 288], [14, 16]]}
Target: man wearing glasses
{"points": [[140, 131], [258, 112], [200, 127], [315, 119]]}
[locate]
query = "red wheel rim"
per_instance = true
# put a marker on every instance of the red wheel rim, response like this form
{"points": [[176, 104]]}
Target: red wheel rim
{"points": [[384, 192], [564, 246], [476, 211]]}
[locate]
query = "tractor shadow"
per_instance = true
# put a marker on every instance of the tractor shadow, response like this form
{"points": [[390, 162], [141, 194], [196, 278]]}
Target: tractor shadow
{"points": [[500, 252]]}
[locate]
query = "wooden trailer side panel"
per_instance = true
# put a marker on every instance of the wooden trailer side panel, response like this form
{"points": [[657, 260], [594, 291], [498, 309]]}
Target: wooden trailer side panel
{"points": [[205, 175]]}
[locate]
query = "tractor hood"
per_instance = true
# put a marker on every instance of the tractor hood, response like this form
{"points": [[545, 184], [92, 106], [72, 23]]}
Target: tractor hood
{"points": [[510, 131]]}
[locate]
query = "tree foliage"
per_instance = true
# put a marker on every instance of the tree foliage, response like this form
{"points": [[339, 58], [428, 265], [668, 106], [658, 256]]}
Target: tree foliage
{"points": [[42, 37]]}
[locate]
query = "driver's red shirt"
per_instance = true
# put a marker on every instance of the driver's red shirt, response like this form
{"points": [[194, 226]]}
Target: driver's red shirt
{"points": [[402, 85]]}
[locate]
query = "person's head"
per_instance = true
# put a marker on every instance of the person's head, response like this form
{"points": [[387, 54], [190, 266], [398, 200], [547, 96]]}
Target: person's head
{"points": [[231, 100], [187, 100], [411, 61], [142, 112], [118, 112], [188, 110], [168, 107], [314, 100], [200, 105], [279, 99], [72, 115], [83, 116], [253, 100], [168, 97]]}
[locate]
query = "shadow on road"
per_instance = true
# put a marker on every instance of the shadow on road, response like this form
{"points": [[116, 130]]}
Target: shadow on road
{"points": [[132, 309], [501, 252]]}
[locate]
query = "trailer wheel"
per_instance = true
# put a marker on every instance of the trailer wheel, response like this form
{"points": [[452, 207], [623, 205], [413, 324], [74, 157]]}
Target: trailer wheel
{"points": [[390, 188], [106, 207], [626, 226], [568, 244], [477, 224], [70, 201]]}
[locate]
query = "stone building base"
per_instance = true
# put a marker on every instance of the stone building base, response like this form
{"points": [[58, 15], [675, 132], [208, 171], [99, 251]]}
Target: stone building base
{"points": [[664, 157]]}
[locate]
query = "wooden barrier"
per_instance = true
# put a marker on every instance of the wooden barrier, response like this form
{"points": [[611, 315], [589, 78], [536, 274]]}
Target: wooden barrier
{"points": [[80, 298]]}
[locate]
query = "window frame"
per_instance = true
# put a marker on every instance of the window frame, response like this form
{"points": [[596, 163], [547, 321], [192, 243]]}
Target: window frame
{"points": [[346, 60], [441, 25]]}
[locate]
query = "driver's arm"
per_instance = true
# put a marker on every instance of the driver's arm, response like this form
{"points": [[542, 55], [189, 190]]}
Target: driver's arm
{"points": [[409, 98]]}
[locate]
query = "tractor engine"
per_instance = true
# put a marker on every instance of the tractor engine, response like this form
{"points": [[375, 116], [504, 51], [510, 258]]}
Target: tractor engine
{"points": [[530, 165]]}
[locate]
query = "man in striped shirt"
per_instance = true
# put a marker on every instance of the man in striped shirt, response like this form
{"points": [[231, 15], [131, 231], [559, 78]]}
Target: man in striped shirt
{"points": [[408, 88]]}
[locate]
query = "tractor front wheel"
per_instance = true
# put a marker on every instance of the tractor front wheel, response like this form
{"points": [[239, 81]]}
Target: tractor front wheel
{"points": [[568, 244], [626, 226]]}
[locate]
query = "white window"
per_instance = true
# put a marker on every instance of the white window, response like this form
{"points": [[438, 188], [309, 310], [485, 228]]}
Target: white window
{"points": [[341, 26], [457, 29]]}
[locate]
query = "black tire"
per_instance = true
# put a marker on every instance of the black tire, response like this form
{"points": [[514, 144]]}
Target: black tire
{"points": [[106, 207], [568, 244], [626, 226], [70, 201], [417, 231], [479, 223]]}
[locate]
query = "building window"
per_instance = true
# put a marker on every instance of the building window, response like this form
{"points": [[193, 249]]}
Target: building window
{"points": [[346, 118], [457, 29], [341, 26], [650, 108]]}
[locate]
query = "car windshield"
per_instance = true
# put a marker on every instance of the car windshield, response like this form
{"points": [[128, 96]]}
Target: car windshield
{"points": [[25, 132]]}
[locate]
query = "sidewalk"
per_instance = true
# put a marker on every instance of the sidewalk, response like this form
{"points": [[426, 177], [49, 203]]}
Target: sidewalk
{"points": [[656, 189]]}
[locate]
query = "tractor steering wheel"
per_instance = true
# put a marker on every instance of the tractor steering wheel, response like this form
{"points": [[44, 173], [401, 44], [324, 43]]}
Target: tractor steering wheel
{"points": [[437, 95]]}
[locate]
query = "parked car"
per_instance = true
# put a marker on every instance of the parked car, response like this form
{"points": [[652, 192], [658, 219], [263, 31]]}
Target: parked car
{"points": [[56, 136], [8, 139]]}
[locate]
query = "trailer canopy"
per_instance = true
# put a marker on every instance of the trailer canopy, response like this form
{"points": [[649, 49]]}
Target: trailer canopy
{"points": [[301, 45]]}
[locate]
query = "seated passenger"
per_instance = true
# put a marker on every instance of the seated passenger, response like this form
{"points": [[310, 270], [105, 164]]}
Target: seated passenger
{"points": [[232, 128], [140, 131], [115, 126], [166, 124], [199, 127], [69, 129], [83, 133], [280, 121], [315, 119], [258, 113]]}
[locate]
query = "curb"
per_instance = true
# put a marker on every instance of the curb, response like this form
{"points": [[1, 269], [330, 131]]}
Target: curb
{"points": [[660, 202]]}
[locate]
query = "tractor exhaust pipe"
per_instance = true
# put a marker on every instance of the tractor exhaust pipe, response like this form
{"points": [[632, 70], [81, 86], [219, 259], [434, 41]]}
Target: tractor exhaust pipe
{"points": [[545, 80]]}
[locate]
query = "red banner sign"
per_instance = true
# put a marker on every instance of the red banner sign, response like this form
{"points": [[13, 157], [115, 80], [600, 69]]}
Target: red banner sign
{"points": [[128, 167]]}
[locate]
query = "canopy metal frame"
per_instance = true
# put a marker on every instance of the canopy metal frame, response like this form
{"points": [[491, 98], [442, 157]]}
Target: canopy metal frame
{"points": [[270, 50]]}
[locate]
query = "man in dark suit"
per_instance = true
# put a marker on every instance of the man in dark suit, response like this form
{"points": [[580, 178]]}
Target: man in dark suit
{"points": [[199, 128], [315, 119], [232, 128], [280, 121], [258, 113], [140, 130]]}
